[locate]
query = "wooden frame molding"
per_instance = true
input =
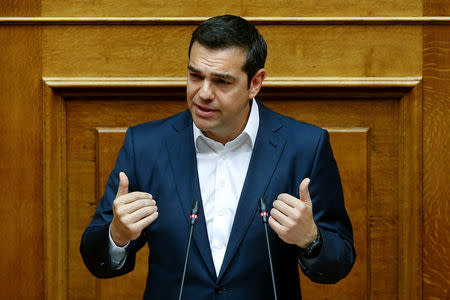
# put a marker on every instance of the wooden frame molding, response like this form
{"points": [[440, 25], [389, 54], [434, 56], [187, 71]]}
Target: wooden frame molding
{"points": [[407, 89], [133, 82], [198, 20]]}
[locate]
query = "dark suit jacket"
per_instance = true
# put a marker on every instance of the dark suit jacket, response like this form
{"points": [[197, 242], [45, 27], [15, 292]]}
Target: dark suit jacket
{"points": [[159, 158]]}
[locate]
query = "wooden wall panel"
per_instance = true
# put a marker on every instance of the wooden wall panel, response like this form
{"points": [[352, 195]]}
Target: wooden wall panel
{"points": [[436, 163], [436, 8], [83, 134], [335, 49], [21, 230], [108, 143], [380, 163], [14, 8], [292, 50], [178, 8], [350, 148], [383, 187]]}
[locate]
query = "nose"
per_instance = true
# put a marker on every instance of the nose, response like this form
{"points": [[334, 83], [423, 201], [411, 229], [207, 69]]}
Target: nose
{"points": [[206, 91]]}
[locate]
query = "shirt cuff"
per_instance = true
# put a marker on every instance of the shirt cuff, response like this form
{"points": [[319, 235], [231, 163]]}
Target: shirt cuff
{"points": [[118, 254]]}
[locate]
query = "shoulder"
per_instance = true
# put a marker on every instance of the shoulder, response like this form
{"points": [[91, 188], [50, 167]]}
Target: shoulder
{"points": [[151, 135], [293, 130], [162, 127]]}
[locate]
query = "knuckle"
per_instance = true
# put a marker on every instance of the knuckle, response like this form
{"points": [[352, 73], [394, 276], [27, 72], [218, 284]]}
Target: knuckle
{"points": [[282, 196], [133, 228], [296, 215], [283, 231]]}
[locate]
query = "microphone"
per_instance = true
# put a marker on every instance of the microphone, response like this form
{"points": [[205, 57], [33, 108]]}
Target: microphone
{"points": [[195, 210], [265, 215]]}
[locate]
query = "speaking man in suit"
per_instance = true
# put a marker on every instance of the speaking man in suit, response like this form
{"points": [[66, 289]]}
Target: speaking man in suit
{"points": [[227, 150]]}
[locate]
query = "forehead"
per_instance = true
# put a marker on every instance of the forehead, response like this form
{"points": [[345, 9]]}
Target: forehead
{"points": [[224, 60]]}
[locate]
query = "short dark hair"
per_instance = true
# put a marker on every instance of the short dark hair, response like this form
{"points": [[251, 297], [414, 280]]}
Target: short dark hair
{"points": [[229, 31]]}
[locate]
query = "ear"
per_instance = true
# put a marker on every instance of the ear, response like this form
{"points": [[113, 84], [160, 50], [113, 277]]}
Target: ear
{"points": [[255, 84]]}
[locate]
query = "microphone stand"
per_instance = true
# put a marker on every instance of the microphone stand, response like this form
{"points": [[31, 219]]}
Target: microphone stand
{"points": [[264, 214], [194, 216]]}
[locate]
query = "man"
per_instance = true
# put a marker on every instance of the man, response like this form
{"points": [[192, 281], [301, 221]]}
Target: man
{"points": [[227, 150]]}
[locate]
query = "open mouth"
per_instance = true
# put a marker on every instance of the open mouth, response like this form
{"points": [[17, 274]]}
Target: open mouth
{"points": [[204, 111]]}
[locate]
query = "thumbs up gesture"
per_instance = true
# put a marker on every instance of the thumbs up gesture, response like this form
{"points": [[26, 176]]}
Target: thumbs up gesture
{"points": [[132, 213], [292, 218]]}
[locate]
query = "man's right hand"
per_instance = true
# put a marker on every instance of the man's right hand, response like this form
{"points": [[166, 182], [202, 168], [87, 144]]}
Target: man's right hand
{"points": [[132, 213]]}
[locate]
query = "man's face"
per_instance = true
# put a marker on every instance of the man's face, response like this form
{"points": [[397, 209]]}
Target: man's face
{"points": [[217, 91]]}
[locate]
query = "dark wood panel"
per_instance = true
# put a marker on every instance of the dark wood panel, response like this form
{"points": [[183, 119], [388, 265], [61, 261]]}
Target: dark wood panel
{"points": [[83, 131], [21, 230], [382, 191], [350, 148], [436, 8], [381, 116], [436, 163], [108, 143]]}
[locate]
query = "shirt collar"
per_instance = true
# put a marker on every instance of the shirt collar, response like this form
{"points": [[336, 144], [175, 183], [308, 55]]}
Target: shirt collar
{"points": [[251, 128]]}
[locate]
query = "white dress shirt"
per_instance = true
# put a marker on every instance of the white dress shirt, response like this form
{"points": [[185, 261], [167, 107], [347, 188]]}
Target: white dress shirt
{"points": [[221, 171]]}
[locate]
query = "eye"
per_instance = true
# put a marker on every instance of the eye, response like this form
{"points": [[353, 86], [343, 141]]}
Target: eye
{"points": [[195, 76], [221, 81]]}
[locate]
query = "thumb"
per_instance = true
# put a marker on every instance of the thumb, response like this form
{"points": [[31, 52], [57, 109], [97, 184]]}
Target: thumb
{"points": [[123, 185], [304, 192]]}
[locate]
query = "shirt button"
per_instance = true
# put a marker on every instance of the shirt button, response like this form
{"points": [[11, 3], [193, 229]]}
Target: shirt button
{"points": [[220, 212]]}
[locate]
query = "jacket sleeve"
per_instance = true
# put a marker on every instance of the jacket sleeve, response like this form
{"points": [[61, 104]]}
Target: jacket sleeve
{"points": [[337, 254], [94, 246]]}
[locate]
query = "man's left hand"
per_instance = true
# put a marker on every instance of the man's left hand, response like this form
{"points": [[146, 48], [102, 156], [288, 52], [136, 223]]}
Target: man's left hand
{"points": [[292, 218]]}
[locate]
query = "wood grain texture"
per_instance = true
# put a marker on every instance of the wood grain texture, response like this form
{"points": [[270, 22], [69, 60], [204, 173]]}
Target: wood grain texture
{"points": [[29, 8], [350, 148], [108, 143], [410, 195], [82, 130], [436, 8], [383, 159], [55, 195], [243, 8], [383, 187], [356, 51], [21, 261], [436, 163]]}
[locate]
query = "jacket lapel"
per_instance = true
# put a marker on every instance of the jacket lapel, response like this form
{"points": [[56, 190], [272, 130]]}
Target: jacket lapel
{"points": [[183, 159], [266, 153]]}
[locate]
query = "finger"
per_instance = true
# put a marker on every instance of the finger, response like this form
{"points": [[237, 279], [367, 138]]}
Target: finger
{"points": [[284, 208], [147, 221], [140, 214], [304, 191], [280, 217], [138, 204], [289, 200], [277, 227], [123, 185], [134, 196]]}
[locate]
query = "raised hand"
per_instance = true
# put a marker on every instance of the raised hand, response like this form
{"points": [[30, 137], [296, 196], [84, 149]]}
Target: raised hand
{"points": [[292, 218], [132, 213]]}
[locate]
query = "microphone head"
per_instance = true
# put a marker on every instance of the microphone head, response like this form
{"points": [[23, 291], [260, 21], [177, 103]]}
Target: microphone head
{"points": [[195, 210], [262, 205]]}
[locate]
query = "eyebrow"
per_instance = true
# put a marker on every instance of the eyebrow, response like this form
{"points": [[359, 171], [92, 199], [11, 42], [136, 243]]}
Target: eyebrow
{"points": [[219, 75]]}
